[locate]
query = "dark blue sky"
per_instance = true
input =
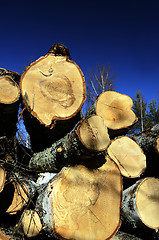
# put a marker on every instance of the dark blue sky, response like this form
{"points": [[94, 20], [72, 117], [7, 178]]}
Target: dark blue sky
{"points": [[122, 33]]}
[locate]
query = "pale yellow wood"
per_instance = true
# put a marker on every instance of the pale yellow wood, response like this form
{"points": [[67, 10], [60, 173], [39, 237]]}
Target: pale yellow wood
{"points": [[9, 90], [93, 133], [20, 197], [54, 88], [128, 156], [31, 223], [86, 203], [147, 202], [116, 110], [2, 178]]}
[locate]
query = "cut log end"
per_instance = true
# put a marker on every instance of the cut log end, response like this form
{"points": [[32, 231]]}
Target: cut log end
{"points": [[116, 110], [31, 223], [93, 133], [20, 197], [148, 193], [9, 90], [53, 88], [128, 156], [86, 203], [2, 178]]}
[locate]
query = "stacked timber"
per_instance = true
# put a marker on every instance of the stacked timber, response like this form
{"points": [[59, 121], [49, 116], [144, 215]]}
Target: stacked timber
{"points": [[73, 182]]}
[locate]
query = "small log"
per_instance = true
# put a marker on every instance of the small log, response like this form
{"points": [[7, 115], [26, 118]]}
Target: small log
{"points": [[31, 223], [88, 138], [140, 204], [79, 203], [9, 101], [2, 178], [53, 87], [116, 110], [129, 157], [15, 195]]}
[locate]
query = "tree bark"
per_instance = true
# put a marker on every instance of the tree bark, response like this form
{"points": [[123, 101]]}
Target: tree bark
{"points": [[116, 110], [129, 157], [148, 141], [53, 88], [86, 140], [79, 203]]}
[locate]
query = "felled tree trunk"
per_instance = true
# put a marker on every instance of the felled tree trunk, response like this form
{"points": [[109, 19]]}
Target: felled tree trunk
{"points": [[140, 204], [80, 203], [88, 138], [129, 157], [53, 88], [9, 101], [116, 110], [149, 142]]}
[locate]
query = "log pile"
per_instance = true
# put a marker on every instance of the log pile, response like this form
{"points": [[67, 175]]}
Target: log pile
{"points": [[83, 177]]}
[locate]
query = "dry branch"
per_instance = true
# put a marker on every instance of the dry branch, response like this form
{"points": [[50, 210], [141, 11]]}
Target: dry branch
{"points": [[16, 194], [79, 203], [31, 223]]}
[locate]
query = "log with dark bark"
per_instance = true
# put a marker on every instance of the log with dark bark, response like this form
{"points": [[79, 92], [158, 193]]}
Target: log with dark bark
{"points": [[80, 203], [53, 87], [89, 137], [116, 110], [9, 101], [148, 141]]}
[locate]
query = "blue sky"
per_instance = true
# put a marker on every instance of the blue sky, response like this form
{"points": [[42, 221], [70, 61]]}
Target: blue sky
{"points": [[122, 33]]}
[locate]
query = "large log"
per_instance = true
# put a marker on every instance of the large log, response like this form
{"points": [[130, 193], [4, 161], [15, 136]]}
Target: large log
{"points": [[53, 87], [80, 203], [116, 110], [86, 140], [129, 157], [9, 101], [140, 204]]}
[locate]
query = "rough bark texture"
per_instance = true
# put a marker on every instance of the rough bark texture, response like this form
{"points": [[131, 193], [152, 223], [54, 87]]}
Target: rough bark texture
{"points": [[53, 88], [79, 202], [82, 143], [129, 157], [147, 140]]}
